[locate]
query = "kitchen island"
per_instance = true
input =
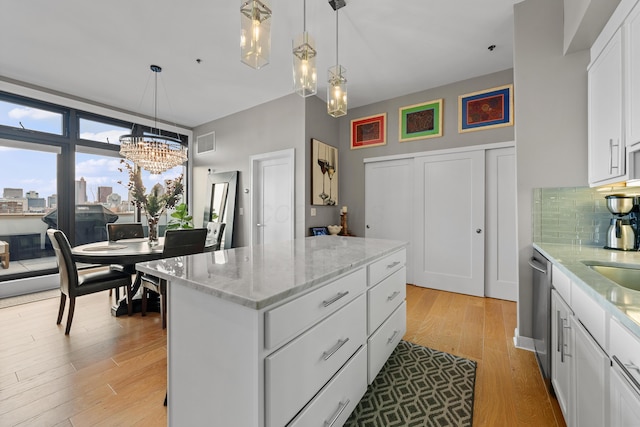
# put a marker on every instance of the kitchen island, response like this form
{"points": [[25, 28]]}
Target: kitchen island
{"points": [[281, 333]]}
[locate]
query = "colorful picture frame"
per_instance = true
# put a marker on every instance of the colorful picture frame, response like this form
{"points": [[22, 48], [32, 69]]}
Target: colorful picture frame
{"points": [[369, 131], [486, 109], [324, 174], [420, 121]]}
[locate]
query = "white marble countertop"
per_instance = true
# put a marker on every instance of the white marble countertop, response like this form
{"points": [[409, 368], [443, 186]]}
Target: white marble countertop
{"points": [[262, 275], [620, 302]]}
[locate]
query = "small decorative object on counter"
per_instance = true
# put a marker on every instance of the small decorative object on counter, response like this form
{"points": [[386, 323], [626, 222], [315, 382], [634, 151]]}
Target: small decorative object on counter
{"points": [[334, 229], [343, 221]]}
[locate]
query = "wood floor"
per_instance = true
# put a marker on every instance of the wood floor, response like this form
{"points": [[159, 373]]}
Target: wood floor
{"points": [[112, 371]]}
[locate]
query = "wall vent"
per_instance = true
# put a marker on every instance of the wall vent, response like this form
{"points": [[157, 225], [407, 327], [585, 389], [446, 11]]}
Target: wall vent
{"points": [[206, 143]]}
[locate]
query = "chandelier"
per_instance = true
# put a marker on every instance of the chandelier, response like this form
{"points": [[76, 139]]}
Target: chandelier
{"points": [[337, 88], [153, 152]]}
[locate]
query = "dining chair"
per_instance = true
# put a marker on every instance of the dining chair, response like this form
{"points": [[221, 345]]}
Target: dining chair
{"points": [[176, 243], [119, 231], [74, 284]]}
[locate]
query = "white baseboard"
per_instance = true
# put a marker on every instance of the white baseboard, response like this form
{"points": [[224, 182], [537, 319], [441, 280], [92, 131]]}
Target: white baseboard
{"points": [[524, 343], [12, 288]]}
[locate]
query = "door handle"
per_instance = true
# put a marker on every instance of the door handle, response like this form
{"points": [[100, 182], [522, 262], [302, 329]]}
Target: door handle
{"points": [[259, 225], [478, 230]]}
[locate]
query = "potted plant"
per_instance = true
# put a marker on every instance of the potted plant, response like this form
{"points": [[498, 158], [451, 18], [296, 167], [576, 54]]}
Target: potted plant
{"points": [[180, 218]]}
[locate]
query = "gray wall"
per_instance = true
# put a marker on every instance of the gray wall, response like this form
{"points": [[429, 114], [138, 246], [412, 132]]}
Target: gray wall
{"points": [[274, 126], [320, 125], [551, 121], [351, 161]]}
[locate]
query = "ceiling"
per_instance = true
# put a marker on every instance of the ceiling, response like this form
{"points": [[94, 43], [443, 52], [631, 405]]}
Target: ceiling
{"points": [[101, 51]]}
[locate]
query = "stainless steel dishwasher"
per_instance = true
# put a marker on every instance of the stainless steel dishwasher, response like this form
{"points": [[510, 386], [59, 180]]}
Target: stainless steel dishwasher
{"points": [[541, 289]]}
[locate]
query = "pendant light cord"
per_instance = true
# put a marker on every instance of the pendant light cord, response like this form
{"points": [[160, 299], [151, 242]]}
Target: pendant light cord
{"points": [[337, 37], [304, 16]]}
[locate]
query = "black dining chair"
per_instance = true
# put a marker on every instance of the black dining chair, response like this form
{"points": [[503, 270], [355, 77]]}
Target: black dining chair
{"points": [[176, 243], [119, 231], [74, 284]]}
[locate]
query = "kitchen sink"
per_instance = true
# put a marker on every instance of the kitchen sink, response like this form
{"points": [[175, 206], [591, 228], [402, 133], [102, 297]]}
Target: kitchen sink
{"points": [[627, 277]]}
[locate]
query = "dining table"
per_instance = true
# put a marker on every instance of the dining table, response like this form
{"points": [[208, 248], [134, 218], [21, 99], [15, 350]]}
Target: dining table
{"points": [[125, 252]]}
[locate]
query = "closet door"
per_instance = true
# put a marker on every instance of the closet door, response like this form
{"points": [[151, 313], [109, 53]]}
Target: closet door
{"points": [[501, 224], [449, 222], [389, 209]]}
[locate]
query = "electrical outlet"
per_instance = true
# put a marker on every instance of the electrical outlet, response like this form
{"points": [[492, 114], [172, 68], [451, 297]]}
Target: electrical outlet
{"points": [[313, 211]]}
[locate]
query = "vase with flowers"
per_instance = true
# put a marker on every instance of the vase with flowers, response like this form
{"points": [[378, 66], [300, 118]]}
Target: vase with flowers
{"points": [[156, 202]]}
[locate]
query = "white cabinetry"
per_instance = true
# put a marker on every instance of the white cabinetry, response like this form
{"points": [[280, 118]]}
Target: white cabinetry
{"points": [[579, 365], [631, 38], [624, 377], [302, 360], [589, 379], [561, 351], [606, 145]]}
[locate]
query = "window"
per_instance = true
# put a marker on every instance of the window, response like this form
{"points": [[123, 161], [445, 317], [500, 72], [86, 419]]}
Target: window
{"points": [[30, 118], [99, 131], [28, 200]]}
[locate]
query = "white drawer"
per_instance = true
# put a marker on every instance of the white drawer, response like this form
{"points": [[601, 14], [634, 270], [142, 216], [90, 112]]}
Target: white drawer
{"points": [[625, 346], [339, 397], [384, 297], [387, 265], [295, 373], [385, 339], [286, 321], [590, 314], [561, 283]]}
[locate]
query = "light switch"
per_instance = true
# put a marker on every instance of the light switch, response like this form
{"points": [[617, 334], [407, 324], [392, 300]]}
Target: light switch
{"points": [[313, 211], [241, 211]]}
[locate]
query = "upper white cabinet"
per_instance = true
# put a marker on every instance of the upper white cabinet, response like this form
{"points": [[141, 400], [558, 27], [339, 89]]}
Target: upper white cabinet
{"points": [[606, 145], [631, 34]]}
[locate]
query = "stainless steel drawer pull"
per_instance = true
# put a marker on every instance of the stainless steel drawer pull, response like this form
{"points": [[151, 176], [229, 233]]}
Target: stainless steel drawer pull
{"points": [[390, 340], [393, 296], [341, 407], [393, 264], [327, 354], [625, 369], [328, 302]]}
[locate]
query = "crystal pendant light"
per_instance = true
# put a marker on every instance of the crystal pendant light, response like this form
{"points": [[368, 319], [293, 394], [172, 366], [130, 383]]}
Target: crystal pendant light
{"points": [[255, 36], [153, 152], [337, 88], [305, 81]]}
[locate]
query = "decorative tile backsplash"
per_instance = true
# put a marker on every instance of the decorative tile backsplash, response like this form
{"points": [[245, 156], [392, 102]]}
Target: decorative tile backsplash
{"points": [[571, 215]]}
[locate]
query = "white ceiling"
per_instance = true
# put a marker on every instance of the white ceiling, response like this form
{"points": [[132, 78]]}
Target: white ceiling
{"points": [[101, 51]]}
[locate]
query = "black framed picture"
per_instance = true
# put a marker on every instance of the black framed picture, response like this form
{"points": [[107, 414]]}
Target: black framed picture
{"points": [[319, 231]]}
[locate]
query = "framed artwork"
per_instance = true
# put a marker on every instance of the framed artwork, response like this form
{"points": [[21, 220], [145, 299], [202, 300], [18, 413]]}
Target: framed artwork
{"points": [[369, 131], [324, 174], [486, 109], [420, 121], [319, 231]]}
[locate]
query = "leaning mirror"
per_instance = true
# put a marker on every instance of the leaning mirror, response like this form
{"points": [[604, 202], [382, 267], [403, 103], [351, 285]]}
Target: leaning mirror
{"points": [[220, 207]]}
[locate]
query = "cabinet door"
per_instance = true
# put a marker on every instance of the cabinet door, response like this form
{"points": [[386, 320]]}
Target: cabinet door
{"points": [[625, 402], [589, 379], [561, 352], [632, 78], [606, 146]]}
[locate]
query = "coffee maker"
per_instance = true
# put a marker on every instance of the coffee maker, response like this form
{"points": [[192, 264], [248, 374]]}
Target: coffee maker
{"points": [[623, 227]]}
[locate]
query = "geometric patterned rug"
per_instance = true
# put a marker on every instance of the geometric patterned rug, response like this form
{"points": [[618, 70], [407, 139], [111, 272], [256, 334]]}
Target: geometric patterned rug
{"points": [[418, 386]]}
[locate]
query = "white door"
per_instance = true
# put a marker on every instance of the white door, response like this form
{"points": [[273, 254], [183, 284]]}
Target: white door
{"points": [[272, 212], [388, 192], [501, 265], [449, 222]]}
